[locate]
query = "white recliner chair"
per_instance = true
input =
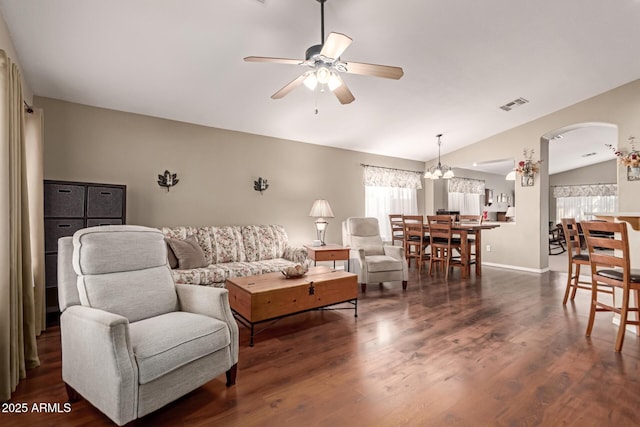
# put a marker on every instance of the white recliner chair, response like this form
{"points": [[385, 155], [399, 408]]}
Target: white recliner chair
{"points": [[373, 261], [132, 340]]}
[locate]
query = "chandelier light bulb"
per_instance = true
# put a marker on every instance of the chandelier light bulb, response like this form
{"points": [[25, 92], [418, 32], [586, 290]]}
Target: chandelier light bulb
{"points": [[311, 81], [323, 75], [437, 171], [334, 82]]}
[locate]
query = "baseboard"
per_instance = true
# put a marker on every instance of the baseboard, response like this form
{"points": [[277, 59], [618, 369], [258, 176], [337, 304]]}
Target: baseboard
{"points": [[516, 267]]}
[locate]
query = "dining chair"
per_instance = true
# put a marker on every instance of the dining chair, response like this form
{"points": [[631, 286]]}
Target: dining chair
{"points": [[576, 259], [417, 244], [410, 242], [475, 220], [442, 244], [397, 228], [611, 267]]}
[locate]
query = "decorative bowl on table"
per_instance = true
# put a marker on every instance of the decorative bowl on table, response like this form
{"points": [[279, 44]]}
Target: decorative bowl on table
{"points": [[295, 271]]}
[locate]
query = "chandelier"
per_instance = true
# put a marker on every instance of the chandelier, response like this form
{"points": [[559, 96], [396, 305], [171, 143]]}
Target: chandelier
{"points": [[444, 171]]}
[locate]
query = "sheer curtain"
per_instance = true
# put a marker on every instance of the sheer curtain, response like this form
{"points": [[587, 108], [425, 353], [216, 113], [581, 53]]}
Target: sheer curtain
{"points": [[572, 201], [18, 329], [382, 201], [390, 191], [466, 203], [575, 207], [464, 195]]}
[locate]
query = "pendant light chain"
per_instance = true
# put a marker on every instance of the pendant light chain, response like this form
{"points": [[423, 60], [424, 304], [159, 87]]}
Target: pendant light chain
{"points": [[445, 171]]}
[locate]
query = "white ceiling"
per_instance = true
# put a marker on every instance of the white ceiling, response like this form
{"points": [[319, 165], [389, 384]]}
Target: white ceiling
{"points": [[571, 148], [462, 59]]}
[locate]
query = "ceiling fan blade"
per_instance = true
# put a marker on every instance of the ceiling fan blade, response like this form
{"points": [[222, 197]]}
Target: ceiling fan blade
{"points": [[289, 87], [343, 93], [335, 45], [274, 60], [385, 71]]}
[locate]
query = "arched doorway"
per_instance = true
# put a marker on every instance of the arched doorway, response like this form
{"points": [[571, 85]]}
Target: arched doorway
{"points": [[578, 158]]}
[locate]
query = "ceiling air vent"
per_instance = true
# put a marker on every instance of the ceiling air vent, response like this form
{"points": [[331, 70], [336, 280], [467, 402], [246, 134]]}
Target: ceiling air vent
{"points": [[513, 104], [589, 154]]}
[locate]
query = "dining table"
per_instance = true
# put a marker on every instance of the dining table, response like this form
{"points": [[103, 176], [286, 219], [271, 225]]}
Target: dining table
{"points": [[464, 231]]}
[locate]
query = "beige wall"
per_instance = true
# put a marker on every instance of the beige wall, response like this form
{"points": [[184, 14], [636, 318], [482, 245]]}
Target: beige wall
{"points": [[6, 44], [600, 173], [216, 169], [527, 239]]}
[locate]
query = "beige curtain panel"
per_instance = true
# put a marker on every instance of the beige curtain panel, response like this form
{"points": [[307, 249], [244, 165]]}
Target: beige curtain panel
{"points": [[18, 350]]}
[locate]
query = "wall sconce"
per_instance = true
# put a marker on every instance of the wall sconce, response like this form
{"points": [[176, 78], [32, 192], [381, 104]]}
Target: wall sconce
{"points": [[260, 185], [168, 179]]}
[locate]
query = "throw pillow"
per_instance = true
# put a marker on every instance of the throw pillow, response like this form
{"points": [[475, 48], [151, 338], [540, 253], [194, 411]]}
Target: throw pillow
{"points": [[171, 257], [188, 253]]}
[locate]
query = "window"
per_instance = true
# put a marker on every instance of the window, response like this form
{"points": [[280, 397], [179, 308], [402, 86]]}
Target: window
{"points": [[464, 195], [390, 191], [382, 201], [575, 207], [573, 201]]}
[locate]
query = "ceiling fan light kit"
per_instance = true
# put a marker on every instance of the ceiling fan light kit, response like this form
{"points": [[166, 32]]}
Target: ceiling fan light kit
{"points": [[326, 66], [444, 171]]}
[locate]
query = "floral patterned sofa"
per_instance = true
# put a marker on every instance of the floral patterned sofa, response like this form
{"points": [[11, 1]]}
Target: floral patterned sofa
{"points": [[234, 251]]}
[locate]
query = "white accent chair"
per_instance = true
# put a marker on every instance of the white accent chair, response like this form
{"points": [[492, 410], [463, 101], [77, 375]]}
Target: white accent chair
{"points": [[132, 340], [373, 261]]}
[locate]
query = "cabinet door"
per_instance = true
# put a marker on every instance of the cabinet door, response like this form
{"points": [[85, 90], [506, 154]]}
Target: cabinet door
{"points": [[104, 202], [63, 201], [56, 228], [93, 222], [51, 270]]}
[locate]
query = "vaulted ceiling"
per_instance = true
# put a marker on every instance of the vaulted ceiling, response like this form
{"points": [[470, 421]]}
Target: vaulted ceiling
{"points": [[462, 59]]}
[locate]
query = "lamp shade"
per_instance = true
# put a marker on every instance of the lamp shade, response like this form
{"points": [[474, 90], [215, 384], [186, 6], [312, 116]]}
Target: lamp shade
{"points": [[321, 209], [511, 176], [511, 212]]}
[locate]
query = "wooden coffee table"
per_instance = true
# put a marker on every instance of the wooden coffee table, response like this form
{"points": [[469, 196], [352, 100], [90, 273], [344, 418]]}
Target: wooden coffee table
{"points": [[264, 297]]}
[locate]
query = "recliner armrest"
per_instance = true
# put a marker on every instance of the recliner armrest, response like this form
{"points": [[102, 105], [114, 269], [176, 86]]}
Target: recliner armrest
{"points": [[212, 302], [359, 255], [394, 251], [98, 361]]}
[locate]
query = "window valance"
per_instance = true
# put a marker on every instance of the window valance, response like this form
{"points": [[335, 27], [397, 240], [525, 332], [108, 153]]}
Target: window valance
{"points": [[377, 176], [585, 190], [466, 185]]}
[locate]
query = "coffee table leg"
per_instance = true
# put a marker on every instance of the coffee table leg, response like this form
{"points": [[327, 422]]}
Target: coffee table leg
{"points": [[356, 308]]}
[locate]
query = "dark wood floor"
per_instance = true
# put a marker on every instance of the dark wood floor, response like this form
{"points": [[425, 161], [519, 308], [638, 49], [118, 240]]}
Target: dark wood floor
{"points": [[495, 351]]}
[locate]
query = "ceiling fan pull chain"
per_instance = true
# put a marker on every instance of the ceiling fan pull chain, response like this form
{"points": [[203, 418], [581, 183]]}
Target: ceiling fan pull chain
{"points": [[315, 100]]}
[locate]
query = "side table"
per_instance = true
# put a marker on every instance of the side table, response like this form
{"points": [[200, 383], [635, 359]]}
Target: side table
{"points": [[329, 253]]}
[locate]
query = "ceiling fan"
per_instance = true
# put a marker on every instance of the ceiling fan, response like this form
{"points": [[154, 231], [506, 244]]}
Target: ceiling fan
{"points": [[325, 66]]}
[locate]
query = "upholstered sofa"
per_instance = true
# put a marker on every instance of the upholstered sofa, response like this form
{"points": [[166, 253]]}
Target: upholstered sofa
{"points": [[234, 251]]}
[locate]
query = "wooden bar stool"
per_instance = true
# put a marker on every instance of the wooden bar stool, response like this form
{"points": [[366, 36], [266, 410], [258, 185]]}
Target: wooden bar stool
{"points": [[576, 259], [417, 244], [473, 247], [397, 228], [413, 244], [443, 244], [610, 267]]}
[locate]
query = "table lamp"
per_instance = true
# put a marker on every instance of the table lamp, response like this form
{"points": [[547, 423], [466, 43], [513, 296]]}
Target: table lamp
{"points": [[511, 213], [321, 210]]}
